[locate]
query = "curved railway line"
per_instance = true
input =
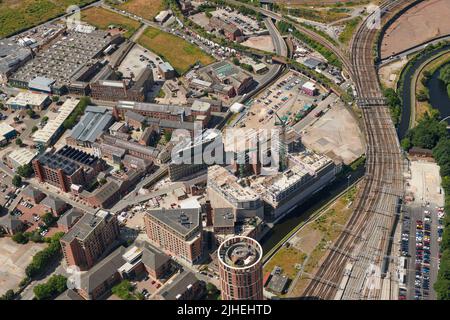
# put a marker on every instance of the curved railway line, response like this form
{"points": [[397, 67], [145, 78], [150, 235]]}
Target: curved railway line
{"points": [[365, 239], [364, 242]]}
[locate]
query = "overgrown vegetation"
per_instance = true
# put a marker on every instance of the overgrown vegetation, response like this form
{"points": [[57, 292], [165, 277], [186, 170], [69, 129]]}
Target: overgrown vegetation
{"points": [[444, 76], [16, 16], [70, 122], [394, 103], [285, 27], [349, 30], [181, 54]]}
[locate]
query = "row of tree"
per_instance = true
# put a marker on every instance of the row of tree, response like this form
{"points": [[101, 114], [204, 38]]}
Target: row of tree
{"points": [[43, 258], [56, 285], [332, 59], [430, 133]]}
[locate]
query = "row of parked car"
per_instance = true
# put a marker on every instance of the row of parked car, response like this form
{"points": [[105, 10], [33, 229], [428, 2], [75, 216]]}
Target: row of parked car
{"points": [[423, 258]]}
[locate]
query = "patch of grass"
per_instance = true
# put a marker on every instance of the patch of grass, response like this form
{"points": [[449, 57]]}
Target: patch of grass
{"points": [[103, 18], [146, 9], [324, 16], [349, 29], [181, 54], [18, 15], [286, 258]]}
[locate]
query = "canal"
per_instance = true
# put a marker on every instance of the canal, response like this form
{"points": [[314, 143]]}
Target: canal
{"points": [[438, 93], [305, 210], [439, 98]]}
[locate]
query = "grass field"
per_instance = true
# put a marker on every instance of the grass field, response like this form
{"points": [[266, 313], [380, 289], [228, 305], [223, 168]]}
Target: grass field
{"points": [[146, 9], [286, 258], [102, 18], [18, 15], [178, 52], [349, 30]]}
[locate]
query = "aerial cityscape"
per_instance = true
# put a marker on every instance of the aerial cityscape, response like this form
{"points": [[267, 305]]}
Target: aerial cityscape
{"points": [[218, 150]]}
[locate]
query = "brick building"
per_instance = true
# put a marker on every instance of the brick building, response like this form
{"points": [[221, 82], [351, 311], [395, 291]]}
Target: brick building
{"points": [[89, 238], [67, 166], [177, 231]]}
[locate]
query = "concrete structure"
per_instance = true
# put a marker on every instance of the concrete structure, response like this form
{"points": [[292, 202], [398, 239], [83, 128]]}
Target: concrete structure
{"points": [[81, 53], [91, 125], [12, 57], [224, 190], [89, 238], [307, 173], [177, 231], [52, 130], [28, 100], [240, 269]]}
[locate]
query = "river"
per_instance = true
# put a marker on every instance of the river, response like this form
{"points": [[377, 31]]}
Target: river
{"points": [[439, 98], [438, 92]]}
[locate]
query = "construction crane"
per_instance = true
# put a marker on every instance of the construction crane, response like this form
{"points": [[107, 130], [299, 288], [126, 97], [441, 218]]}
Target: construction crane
{"points": [[283, 156]]}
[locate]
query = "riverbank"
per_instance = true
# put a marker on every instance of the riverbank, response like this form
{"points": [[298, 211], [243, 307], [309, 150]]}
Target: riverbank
{"points": [[429, 67], [406, 87]]}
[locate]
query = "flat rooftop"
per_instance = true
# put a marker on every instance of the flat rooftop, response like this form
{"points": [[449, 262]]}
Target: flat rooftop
{"points": [[228, 184]]}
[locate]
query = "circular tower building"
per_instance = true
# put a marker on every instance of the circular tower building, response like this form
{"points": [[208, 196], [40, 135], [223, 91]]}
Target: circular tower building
{"points": [[240, 269]]}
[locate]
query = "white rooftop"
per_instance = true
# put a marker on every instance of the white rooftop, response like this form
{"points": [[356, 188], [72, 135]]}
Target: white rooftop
{"points": [[27, 99]]}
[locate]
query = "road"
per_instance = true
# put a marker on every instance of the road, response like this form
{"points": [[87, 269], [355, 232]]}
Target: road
{"points": [[316, 37]]}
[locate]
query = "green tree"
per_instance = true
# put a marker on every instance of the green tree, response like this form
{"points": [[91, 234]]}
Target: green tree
{"points": [[31, 113], [55, 98], [19, 237], [34, 129], [9, 295], [17, 181], [167, 136], [56, 285], [124, 290], [19, 142], [48, 218], [25, 171]]}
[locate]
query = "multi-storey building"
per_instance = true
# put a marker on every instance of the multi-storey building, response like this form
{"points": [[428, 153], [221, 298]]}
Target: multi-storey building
{"points": [[224, 190], [89, 238], [240, 269], [68, 166], [177, 231]]}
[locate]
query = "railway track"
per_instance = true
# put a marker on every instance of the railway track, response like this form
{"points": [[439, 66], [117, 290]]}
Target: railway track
{"points": [[366, 236]]}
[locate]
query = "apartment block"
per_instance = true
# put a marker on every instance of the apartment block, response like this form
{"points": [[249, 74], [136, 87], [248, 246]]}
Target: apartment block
{"points": [[89, 238]]}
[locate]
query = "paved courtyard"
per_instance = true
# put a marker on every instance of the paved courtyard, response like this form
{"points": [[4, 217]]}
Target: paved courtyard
{"points": [[14, 258]]}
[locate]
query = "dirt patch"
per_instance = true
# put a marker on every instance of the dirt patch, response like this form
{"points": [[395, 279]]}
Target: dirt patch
{"points": [[389, 73], [421, 23], [263, 43]]}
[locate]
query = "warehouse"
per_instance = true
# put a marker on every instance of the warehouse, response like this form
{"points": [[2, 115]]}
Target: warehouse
{"points": [[25, 100], [93, 123], [51, 131], [20, 157], [7, 132]]}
